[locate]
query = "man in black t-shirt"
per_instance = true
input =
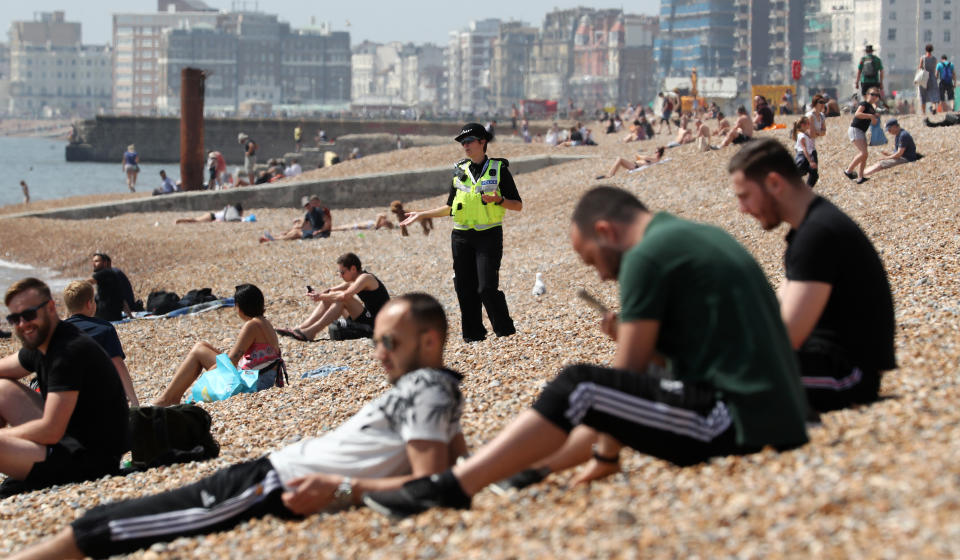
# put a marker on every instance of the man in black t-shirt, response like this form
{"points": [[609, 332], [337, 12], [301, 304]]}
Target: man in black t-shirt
{"points": [[836, 300], [75, 428], [114, 292]]}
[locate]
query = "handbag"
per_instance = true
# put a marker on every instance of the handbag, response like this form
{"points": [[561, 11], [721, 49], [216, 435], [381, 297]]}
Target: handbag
{"points": [[921, 77], [877, 137]]}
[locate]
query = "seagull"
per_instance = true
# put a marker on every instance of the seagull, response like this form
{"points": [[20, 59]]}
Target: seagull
{"points": [[539, 288]]}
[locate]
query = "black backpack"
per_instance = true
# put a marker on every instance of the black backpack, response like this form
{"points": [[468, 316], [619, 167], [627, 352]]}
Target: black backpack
{"points": [[165, 435], [161, 303], [193, 297]]}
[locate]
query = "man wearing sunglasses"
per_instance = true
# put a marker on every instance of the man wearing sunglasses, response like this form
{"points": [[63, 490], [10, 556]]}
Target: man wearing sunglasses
{"points": [[482, 190], [411, 430], [75, 428]]}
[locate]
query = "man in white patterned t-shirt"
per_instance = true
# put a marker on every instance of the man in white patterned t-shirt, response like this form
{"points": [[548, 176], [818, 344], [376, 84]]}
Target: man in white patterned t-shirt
{"points": [[411, 431]]}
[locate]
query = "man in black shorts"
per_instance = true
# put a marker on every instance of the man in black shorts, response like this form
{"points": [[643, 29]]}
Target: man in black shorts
{"points": [[114, 292], [836, 301], [703, 366], [412, 429], [75, 428], [353, 304]]}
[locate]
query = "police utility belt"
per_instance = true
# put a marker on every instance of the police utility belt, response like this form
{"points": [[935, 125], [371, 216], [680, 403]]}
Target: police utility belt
{"points": [[469, 211]]}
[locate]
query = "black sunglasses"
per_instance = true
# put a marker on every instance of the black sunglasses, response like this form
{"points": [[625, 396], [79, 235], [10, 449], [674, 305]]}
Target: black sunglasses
{"points": [[389, 342], [28, 314]]}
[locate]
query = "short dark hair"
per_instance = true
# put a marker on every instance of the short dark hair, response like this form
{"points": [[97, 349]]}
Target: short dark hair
{"points": [[928, 48], [426, 312], [103, 257], [760, 157], [239, 208], [249, 300], [348, 260], [23, 285], [605, 203], [742, 110]]}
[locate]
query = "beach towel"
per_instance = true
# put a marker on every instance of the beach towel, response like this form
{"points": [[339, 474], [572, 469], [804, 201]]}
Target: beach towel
{"points": [[642, 167], [323, 371], [775, 126]]}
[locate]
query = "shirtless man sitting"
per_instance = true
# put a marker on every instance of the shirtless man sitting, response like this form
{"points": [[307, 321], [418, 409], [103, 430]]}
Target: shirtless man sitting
{"points": [[723, 125], [742, 132]]}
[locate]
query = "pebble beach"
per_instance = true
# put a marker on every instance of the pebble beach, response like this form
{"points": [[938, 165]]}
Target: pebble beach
{"points": [[881, 481]]}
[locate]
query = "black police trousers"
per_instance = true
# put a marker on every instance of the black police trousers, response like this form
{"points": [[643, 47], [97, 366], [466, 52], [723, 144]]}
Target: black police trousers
{"points": [[476, 265]]}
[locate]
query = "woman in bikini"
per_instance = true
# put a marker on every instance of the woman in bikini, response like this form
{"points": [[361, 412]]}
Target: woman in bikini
{"points": [[631, 165], [256, 345]]}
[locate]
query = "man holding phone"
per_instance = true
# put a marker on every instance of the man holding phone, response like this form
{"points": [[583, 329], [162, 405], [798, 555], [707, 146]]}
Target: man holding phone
{"points": [[691, 299]]}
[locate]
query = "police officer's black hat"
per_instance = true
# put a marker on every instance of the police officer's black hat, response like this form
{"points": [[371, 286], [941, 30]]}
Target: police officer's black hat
{"points": [[474, 130]]}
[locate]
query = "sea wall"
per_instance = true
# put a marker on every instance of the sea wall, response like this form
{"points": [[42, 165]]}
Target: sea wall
{"points": [[157, 139], [349, 192]]}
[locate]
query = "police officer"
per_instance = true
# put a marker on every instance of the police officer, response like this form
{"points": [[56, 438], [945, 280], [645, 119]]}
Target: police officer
{"points": [[481, 192]]}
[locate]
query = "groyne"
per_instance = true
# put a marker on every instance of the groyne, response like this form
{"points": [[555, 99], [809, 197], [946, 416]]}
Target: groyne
{"points": [[105, 138]]}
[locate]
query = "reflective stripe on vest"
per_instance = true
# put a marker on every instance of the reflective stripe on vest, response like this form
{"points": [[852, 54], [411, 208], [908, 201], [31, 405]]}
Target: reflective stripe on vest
{"points": [[469, 210]]}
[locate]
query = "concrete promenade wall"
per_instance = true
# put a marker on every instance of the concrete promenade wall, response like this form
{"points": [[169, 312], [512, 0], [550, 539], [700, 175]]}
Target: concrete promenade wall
{"points": [[351, 192], [105, 138]]}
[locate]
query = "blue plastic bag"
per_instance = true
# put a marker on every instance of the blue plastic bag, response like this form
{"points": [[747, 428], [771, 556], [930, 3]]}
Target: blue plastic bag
{"points": [[877, 137], [222, 382]]}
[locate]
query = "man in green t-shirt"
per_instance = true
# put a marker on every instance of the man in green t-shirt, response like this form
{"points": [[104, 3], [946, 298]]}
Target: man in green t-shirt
{"points": [[703, 365], [869, 72]]}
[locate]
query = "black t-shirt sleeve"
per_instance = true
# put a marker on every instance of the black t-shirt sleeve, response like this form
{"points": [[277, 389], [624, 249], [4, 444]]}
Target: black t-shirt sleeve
{"points": [[111, 344], [29, 359], [453, 193], [508, 188], [813, 255]]}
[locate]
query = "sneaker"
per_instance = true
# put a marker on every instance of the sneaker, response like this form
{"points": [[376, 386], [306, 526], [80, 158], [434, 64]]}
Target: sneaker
{"points": [[862, 180], [519, 481], [419, 495], [851, 176]]}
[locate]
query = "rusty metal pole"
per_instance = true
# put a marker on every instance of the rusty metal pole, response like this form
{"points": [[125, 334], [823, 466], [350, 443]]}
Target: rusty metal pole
{"points": [[191, 128]]}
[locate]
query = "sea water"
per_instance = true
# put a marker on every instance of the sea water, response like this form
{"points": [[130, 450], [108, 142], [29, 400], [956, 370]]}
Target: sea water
{"points": [[42, 163]]}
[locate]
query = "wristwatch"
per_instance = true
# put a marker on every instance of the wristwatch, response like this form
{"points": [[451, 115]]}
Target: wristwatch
{"points": [[343, 495]]}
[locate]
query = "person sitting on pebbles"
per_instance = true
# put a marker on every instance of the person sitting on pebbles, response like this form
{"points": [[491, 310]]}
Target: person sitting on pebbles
{"points": [[411, 430], [256, 345], [356, 301], [904, 149], [316, 222]]}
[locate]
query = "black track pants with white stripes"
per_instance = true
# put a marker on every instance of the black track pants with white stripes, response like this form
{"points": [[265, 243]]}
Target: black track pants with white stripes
{"points": [[218, 502], [680, 423]]}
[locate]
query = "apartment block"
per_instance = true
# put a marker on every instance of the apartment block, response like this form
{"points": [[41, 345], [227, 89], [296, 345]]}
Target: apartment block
{"points": [[52, 73], [769, 34], [696, 34], [469, 56]]}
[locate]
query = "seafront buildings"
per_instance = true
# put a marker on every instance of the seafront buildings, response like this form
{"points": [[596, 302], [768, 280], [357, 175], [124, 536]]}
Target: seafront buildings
{"points": [[51, 71], [588, 57]]}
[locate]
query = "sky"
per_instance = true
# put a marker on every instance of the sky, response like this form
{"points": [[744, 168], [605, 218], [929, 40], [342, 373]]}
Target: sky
{"points": [[417, 21]]}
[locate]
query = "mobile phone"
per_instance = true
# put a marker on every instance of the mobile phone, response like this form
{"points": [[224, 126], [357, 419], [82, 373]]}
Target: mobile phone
{"points": [[309, 288], [593, 302]]}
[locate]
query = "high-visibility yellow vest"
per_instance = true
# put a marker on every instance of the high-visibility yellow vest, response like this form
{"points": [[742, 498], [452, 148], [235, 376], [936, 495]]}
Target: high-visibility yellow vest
{"points": [[469, 211]]}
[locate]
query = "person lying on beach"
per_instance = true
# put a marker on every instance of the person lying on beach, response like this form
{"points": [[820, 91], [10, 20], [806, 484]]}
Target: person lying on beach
{"points": [[256, 345], [230, 213], [742, 131], [380, 222], [639, 160], [357, 300], [78, 297], [74, 426], [397, 208], [316, 222], [411, 430]]}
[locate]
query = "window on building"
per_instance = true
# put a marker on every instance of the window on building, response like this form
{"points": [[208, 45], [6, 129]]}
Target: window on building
{"points": [[892, 34], [946, 35], [927, 14], [928, 36], [893, 16], [946, 15]]}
